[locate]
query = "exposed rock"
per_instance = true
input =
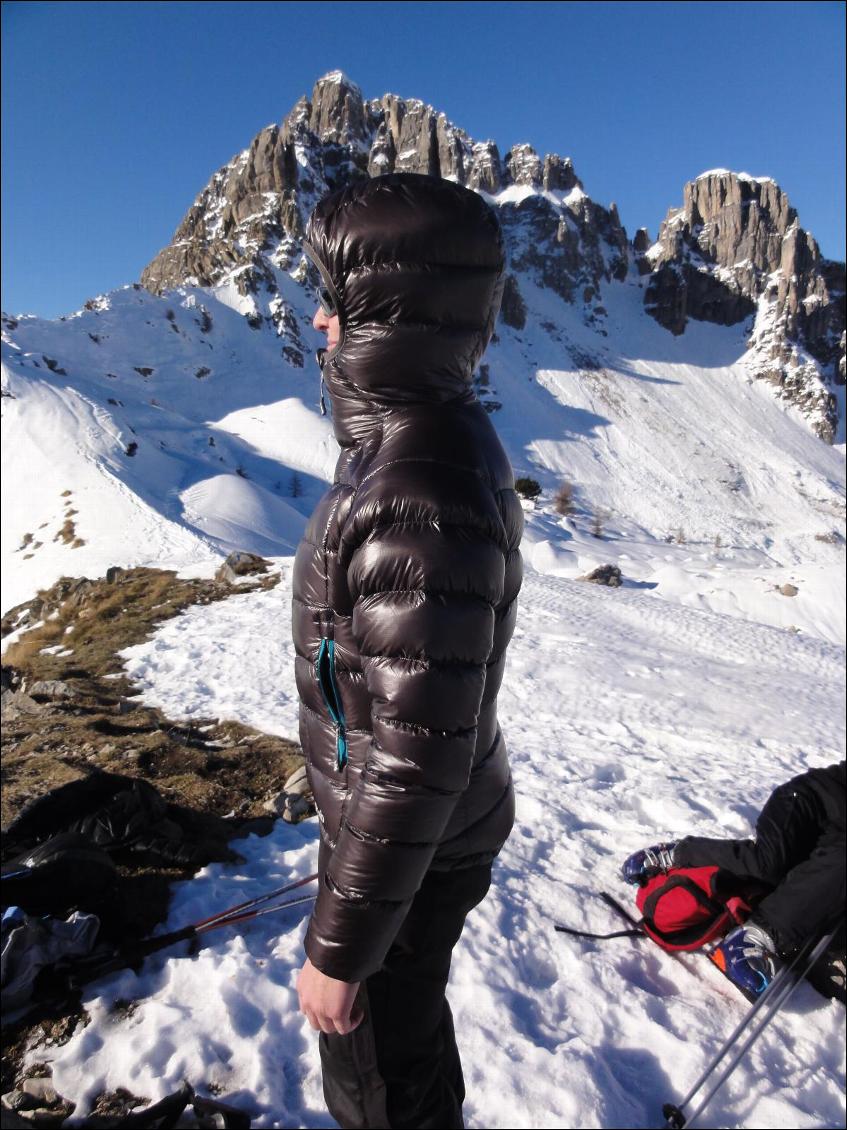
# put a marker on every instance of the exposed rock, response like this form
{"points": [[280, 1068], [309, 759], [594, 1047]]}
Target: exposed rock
{"points": [[641, 241], [337, 110], [559, 175], [240, 564], [788, 590], [524, 165], [604, 575], [246, 223], [735, 250], [15, 703], [513, 307], [486, 173], [50, 689]]}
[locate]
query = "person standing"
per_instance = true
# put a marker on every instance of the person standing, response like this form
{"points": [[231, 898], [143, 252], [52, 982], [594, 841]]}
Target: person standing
{"points": [[405, 594]]}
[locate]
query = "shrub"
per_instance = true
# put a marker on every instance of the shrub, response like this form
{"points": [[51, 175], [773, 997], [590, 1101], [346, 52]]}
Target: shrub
{"points": [[528, 488], [598, 523], [563, 499]]}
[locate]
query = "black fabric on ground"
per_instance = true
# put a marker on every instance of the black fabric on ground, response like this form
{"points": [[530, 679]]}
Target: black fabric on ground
{"points": [[798, 851], [64, 872], [400, 1068], [122, 814]]}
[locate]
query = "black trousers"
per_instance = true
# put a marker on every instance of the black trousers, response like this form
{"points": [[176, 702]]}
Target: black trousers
{"points": [[798, 852], [400, 1068]]}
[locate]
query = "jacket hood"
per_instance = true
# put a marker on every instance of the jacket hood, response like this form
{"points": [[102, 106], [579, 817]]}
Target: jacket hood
{"points": [[415, 267]]}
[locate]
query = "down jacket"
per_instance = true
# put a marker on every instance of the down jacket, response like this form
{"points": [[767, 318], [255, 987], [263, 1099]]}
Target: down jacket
{"points": [[406, 580]]}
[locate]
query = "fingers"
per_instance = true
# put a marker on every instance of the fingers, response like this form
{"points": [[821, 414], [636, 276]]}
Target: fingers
{"points": [[344, 1025]]}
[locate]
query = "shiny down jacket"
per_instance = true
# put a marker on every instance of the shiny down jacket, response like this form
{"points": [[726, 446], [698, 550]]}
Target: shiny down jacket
{"points": [[406, 580]]}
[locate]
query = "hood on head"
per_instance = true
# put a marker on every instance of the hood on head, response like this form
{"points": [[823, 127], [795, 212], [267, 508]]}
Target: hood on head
{"points": [[415, 268]]}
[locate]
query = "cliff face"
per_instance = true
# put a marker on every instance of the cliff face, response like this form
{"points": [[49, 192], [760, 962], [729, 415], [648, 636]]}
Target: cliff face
{"points": [[249, 219], [734, 251]]}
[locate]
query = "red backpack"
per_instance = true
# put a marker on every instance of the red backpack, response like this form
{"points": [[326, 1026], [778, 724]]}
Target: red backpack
{"points": [[690, 906]]}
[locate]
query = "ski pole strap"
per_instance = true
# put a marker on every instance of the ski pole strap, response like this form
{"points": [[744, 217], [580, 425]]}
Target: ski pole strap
{"points": [[600, 937], [613, 904], [621, 910]]}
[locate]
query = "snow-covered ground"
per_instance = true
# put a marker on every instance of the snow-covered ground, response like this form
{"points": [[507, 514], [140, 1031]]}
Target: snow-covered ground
{"points": [[706, 489], [628, 718], [167, 431]]}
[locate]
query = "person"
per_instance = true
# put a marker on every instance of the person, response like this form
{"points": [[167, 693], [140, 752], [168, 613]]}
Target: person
{"points": [[797, 856], [405, 591]]}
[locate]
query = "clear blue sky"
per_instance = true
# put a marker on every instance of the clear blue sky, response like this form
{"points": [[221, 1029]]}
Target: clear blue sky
{"points": [[116, 114]]}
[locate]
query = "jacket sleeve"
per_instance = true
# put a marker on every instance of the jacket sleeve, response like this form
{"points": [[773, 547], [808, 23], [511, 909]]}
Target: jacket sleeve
{"points": [[425, 582]]}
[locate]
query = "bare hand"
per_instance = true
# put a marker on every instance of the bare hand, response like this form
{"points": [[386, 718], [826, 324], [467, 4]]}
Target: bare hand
{"points": [[327, 1003]]}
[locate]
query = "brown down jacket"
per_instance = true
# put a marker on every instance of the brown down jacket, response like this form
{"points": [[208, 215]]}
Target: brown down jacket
{"points": [[406, 580]]}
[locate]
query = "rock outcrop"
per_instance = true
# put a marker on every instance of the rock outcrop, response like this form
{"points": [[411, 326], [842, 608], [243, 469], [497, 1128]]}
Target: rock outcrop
{"points": [[733, 253], [736, 251], [246, 224]]}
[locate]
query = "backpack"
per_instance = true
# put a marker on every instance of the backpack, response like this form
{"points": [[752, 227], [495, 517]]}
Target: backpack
{"points": [[690, 906]]}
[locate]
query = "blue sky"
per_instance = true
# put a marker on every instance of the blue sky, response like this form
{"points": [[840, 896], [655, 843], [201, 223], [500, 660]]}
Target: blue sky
{"points": [[116, 114]]}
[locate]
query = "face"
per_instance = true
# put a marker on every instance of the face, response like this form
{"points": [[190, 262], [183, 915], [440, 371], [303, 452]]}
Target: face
{"points": [[328, 324]]}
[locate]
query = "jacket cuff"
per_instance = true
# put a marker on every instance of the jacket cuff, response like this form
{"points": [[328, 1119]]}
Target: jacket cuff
{"points": [[367, 931]]}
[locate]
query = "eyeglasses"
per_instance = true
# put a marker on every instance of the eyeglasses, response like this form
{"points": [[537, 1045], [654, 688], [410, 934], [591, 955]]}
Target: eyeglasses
{"points": [[327, 304]]}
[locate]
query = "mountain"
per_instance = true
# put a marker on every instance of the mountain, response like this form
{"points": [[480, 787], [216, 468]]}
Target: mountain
{"points": [[175, 419], [733, 254], [641, 385]]}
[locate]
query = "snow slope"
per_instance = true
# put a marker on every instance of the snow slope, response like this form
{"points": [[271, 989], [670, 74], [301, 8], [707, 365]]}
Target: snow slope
{"points": [[646, 719], [176, 442], [183, 433], [168, 431]]}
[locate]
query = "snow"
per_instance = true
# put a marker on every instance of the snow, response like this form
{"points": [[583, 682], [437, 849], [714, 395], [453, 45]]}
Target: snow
{"points": [[339, 77], [647, 719], [675, 703], [731, 173]]}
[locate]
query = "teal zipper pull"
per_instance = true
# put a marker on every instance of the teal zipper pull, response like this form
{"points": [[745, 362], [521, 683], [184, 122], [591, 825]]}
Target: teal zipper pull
{"points": [[341, 747], [326, 660]]}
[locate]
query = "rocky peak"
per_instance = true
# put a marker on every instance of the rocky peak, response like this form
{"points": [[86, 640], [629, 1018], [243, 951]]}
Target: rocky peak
{"points": [[734, 251], [337, 111], [247, 222]]}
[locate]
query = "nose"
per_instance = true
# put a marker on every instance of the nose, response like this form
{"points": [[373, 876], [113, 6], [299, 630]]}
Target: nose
{"points": [[320, 320]]}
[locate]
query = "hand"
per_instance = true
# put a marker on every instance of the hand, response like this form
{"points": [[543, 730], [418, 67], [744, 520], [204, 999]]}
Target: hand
{"points": [[327, 1003]]}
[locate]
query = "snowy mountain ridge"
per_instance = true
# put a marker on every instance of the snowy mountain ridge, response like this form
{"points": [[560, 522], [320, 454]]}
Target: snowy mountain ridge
{"points": [[181, 415], [734, 253], [167, 424]]}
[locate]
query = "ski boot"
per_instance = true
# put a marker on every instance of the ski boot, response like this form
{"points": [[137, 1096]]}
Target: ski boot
{"points": [[747, 957], [645, 865]]}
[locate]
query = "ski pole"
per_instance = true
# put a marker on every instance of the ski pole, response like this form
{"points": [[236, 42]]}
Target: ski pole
{"points": [[769, 1003], [92, 967], [256, 901], [250, 914]]}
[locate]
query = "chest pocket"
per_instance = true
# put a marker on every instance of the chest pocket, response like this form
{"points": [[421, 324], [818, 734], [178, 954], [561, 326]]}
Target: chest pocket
{"points": [[325, 671]]}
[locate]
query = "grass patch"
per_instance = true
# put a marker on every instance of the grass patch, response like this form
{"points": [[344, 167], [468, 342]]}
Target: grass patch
{"points": [[217, 766]]}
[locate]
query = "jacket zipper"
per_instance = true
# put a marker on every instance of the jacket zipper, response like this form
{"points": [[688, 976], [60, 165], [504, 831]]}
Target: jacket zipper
{"points": [[325, 663]]}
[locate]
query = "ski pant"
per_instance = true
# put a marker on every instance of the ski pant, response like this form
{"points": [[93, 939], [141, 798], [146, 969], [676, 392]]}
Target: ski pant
{"points": [[798, 852], [400, 1067]]}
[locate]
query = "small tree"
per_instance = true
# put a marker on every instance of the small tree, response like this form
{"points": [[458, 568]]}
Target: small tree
{"points": [[528, 488], [563, 499], [296, 488], [598, 523]]}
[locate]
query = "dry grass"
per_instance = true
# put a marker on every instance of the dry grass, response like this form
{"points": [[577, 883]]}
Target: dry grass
{"points": [[214, 766], [563, 499], [67, 532]]}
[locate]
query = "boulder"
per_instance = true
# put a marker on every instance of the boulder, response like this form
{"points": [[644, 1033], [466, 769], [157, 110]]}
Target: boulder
{"points": [[609, 575], [240, 564]]}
